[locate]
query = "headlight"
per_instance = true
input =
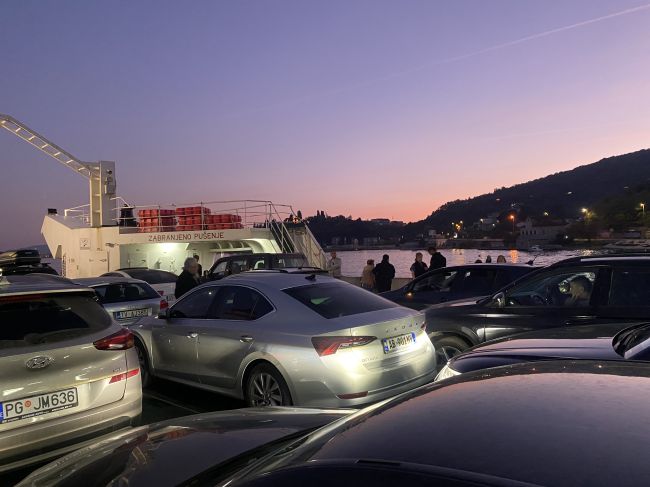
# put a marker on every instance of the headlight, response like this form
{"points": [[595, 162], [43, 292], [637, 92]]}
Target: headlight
{"points": [[446, 373]]}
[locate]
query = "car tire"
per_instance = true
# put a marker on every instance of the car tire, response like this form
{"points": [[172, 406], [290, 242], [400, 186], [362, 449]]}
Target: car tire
{"points": [[446, 347], [265, 387], [145, 371]]}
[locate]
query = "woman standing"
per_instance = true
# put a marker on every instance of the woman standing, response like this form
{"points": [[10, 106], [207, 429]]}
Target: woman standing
{"points": [[368, 276]]}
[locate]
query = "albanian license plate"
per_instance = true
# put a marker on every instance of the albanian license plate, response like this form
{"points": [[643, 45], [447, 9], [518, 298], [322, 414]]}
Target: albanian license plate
{"points": [[131, 313], [38, 405], [399, 342]]}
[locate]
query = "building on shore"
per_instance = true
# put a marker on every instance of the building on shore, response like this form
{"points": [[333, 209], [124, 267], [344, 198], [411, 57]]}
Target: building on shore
{"points": [[533, 232]]}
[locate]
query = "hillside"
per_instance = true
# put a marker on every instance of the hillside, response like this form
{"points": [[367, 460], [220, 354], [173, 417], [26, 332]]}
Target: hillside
{"points": [[562, 194]]}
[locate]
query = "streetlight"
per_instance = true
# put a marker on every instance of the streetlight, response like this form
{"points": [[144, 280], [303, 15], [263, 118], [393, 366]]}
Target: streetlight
{"points": [[643, 209], [512, 217]]}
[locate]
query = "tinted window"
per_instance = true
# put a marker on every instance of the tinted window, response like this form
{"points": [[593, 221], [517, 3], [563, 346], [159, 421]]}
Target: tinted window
{"points": [[111, 274], [117, 293], [194, 305], [280, 261], [562, 287], [48, 318], [221, 267], [477, 281], [332, 300], [152, 276], [238, 265], [506, 276], [630, 287], [437, 281], [256, 263], [240, 303]]}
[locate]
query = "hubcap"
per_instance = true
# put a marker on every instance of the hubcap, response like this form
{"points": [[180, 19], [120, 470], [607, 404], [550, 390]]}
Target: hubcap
{"points": [[265, 390]]}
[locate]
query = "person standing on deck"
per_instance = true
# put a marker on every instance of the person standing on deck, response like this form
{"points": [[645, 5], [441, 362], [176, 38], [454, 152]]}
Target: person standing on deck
{"points": [[437, 259], [334, 266], [188, 279], [418, 267], [384, 274], [199, 266], [368, 276]]}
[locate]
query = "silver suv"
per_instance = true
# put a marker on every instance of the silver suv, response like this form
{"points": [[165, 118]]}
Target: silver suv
{"points": [[67, 371]]}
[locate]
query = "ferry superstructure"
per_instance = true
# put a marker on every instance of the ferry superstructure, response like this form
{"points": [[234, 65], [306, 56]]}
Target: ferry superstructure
{"points": [[109, 233]]}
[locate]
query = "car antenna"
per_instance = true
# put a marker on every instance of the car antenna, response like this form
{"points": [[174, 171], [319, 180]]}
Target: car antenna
{"points": [[532, 261], [311, 277]]}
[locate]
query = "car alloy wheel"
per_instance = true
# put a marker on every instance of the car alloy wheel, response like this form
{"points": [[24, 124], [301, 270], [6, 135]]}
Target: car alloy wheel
{"points": [[266, 387], [266, 391], [145, 375]]}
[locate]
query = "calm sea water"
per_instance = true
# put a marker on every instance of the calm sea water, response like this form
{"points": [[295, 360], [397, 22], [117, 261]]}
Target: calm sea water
{"points": [[353, 261]]}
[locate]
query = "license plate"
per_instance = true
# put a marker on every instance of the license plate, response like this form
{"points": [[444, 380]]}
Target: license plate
{"points": [[393, 344], [29, 407], [131, 313]]}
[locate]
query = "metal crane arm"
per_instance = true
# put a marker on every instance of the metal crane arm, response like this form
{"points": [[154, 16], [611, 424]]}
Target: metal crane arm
{"points": [[44, 145]]}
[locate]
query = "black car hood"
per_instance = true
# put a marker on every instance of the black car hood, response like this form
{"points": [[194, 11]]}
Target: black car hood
{"points": [[174, 451], [586, 342]]}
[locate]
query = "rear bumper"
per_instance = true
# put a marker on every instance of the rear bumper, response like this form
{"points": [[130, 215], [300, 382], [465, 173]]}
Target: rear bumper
{"points": [[45, 441]]}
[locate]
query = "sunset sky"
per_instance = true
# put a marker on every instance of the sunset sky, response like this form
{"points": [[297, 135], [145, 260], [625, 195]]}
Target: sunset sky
{"points": [[370, 108]]}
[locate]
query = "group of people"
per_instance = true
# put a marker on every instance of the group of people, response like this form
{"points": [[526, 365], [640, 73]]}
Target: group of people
{"points": [[488, 260], [379, 278]]}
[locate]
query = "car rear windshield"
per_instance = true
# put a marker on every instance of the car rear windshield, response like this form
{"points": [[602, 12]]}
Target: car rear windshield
{"points": [[125, 292], [27, 320], [152, 276], [334, 299], [281, 261]]}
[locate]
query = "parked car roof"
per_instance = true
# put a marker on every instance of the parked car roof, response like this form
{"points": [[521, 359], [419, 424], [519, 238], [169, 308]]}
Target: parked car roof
{"points": [[99, 281], [38, 283]]}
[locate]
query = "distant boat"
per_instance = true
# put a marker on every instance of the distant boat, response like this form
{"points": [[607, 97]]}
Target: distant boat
{"points": [[637, 245], [535, 248]]}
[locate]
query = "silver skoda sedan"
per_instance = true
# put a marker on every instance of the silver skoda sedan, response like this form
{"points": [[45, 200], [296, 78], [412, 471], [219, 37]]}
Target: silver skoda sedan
{"points": [[274, 338], [67, 371]]}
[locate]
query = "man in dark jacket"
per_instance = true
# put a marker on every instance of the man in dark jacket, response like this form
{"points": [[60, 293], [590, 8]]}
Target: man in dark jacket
{"points": [[437, 259], [384, 273], [188, 279]]}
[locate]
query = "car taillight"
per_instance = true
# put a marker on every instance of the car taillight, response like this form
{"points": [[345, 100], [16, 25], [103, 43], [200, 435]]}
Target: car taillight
{"points": [[164, 304], [122, 340], [329, 345], [124, 376]]}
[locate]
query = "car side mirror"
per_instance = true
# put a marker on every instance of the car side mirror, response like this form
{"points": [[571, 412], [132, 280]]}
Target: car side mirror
{"points": [[498, 300], [163, 314]]}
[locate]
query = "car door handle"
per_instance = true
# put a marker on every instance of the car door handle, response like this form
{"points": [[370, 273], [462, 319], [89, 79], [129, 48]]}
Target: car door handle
{"points": [[192, 335], [245, 339]]}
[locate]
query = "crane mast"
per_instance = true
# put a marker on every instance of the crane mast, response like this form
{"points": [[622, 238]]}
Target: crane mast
{"points": [[101, 174]]}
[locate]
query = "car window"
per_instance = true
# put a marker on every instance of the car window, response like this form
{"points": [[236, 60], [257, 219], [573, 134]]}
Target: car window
{"points": [[48, 318], [221, 267], [506, 276], [112, 274], [152, 276], [436, 281], [281, 261], [257, 263], [333, 299], [117, 293], [561, 287], [630, 287], [476, 281], [195, 305], [238, 265], [240, 303]]}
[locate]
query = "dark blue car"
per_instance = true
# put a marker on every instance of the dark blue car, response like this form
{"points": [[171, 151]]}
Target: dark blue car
{"points": [[457, 282]]}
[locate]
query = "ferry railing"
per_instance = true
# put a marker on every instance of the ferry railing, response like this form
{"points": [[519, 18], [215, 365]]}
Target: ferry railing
{"points": [[81, 212], [247, 213]]}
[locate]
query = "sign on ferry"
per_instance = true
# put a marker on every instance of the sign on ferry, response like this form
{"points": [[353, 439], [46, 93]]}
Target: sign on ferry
{"points": [[37, 405], [185, 236]]}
